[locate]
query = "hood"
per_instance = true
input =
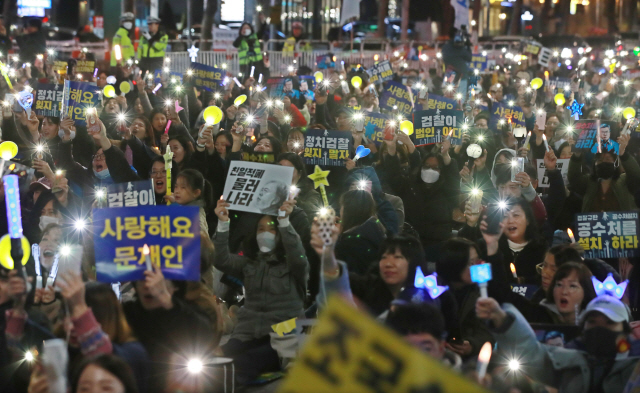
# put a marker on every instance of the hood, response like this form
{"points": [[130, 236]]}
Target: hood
{"points": [[366, 173], [493, 175], [372, 230]]}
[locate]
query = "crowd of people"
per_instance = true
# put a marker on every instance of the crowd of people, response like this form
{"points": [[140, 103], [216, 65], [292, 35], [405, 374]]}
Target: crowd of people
{"points": [[401, 211]]}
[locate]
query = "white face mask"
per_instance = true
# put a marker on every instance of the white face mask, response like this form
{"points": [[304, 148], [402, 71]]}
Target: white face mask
{"points": [[46, 220], [266, 241], [429, 176], [127, 25], [246, 32]]}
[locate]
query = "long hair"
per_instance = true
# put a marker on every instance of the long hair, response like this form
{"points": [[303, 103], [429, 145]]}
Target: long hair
{"points": [[196, 181], [149, 135], [153, 114], [175, 170], [401, 150], [358, 206], [250, 243], [228, 137], [186, 145], [108, 311], [276, 146], [111, 363], [584, 277], [454, 258], [296, 161]]}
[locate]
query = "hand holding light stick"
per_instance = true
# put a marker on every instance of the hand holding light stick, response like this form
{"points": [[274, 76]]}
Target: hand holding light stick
{"points": [[319, 178], [481, 274], [483, 361], [168, 164]]}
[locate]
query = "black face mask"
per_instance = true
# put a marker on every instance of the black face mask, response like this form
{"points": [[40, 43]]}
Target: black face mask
{"points": [[605, 170], [601, 342]]}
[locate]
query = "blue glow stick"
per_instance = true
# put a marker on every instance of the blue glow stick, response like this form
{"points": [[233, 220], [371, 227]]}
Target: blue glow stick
{"points": [[12, 200]]}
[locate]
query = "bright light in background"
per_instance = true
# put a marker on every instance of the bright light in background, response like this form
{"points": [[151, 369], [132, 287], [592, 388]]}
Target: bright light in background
{"points": [[194, 366]]}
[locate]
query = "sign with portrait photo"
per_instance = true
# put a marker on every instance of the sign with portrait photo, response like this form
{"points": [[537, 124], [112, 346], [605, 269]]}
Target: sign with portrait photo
{"points": [[257, 188], [587, 135]]}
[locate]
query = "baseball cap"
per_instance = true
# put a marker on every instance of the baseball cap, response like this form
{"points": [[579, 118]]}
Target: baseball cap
{"points": [[608, 305], [43, 182]]}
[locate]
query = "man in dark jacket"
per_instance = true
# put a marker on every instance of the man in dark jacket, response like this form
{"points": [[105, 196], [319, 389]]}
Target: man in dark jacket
{"points": [[456, 54], [33, 42]]}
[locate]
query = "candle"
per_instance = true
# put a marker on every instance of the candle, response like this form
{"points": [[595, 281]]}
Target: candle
{"points": [[513, 270], [483, 360], [544, 139], [147, 258], [570, 233], [526, 141]]}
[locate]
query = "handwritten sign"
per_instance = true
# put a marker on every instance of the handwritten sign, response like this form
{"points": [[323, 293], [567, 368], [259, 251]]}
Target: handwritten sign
{"points": [[380, 73], [49, 99], [562, 165], [608, 234], [131, 194], [350, 352], [207, 77], [78, 97], [324, 147], [257, 188], [171, 232], [504, 111], [396, 95], [432, 126]]}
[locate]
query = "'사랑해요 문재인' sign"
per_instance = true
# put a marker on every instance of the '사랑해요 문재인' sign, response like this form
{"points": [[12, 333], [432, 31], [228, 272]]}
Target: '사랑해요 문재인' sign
{"points": [[504, 111], [324, 147], [608, 234], [172, 234], [374, 124], [432, 126], [397, 96], [78, 97], [257, 188], [207, 77]]}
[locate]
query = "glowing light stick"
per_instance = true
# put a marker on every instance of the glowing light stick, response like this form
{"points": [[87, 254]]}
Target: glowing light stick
{"points": [[319, 178], [118, 52], [168, 164], [429, 283], [481, 274], [166, 129]]}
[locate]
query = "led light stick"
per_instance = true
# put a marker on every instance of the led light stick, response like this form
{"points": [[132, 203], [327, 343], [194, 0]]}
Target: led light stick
{"points": [[429, 283], [481, 274], [319, 178], [13, 246], [168, 164]]}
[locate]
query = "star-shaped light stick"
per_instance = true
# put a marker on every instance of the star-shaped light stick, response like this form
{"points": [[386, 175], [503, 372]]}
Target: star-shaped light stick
{"points": [[319, 178], [193, 52], [576, 109], [168, 156]]}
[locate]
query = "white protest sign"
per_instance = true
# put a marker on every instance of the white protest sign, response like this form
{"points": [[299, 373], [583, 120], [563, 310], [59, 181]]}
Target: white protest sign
{"points": [[543, 180], [257, 188], [544, 56]]}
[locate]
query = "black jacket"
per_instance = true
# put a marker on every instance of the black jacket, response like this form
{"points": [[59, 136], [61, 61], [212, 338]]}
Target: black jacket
{"points": [[359, 247]]}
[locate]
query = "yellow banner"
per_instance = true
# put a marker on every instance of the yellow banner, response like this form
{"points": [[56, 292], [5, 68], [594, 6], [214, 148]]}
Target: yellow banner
{"points": [[350, 352]]}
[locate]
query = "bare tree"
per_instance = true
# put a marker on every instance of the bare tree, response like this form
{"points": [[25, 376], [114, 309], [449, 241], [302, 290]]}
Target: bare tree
{"points": [[210, 8]]}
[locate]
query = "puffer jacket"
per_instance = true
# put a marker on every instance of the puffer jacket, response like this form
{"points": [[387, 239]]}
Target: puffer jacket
{"points": [[568, 370], [274, 290]]}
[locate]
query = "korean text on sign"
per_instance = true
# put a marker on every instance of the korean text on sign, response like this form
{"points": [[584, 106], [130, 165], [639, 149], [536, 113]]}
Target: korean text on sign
{"points": [[324, 147], [608, 234], [587, 132], [397, 95], [432, 126], [207, 77], [131, 194], [349, 352], [439, 102], [504, 111], [478, 62], [78, 97], [48, 99], [257, 188], [380, 73], [172, 234], [374, 124]]}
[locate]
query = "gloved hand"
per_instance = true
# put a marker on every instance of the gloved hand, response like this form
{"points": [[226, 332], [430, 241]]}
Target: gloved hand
{"points": [[147, 35]]}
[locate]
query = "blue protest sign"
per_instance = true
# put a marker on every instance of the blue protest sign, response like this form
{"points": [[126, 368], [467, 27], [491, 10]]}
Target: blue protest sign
{"points": [[207, 77], [158, 75], [49, 97], [374, 124], [504, 111], [78, 97], [432, 126], [380, 73], [478, 62], [560, 83], [397, 96], [608, 234], [587, 135], [171, 232], [131, 194], [327, 148], [481, 273]]}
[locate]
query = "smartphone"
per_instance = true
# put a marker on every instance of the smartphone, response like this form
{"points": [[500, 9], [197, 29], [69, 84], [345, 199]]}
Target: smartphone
{"points": [[517, 166], [59, 175], [358, 123], [423, 94], [495, 215], [93, 127], [541, 119], [55, 360], [279, 104]]}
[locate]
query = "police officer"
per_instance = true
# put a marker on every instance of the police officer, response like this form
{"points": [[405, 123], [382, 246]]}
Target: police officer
{"points": [[152, 46], [122, 38]]}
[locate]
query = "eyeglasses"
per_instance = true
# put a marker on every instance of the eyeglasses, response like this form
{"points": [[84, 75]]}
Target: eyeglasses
{"points": [[542, 266], [571, 288], [158, 173], [98, 156]]}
